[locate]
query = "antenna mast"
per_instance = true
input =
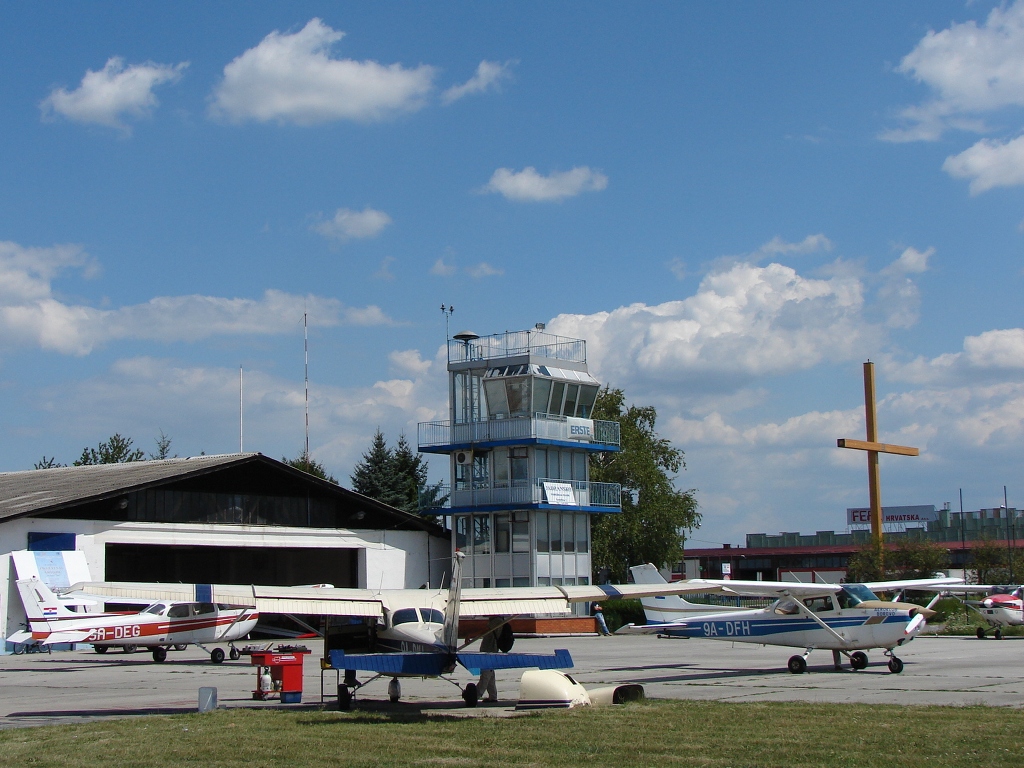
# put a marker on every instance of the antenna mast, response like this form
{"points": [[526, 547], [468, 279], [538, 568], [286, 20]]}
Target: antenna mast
{"points": [[305, 350], [241, 422]]}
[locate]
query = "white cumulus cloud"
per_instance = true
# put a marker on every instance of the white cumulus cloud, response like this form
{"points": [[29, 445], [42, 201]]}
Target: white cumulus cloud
{"points": [[291, 78], [113, 94], [488, 76], [529, 186], [31, 314], [483, 269], [348, 224], [988, 164]]}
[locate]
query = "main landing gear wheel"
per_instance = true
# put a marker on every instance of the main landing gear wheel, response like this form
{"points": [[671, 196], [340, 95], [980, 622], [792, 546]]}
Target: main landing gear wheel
{"points": [[344, 698], [797, 665], [101, 648], [234, 654], [470, 695], [859, 660], [129, 648], [217, 655], [999, 633], [180, 646], [394, 690], [895, 665], [980, 633], [159, 655]]}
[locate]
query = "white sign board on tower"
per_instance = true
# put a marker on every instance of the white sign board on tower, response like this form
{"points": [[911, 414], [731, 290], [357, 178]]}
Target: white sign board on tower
{"points": [[559, 493]]}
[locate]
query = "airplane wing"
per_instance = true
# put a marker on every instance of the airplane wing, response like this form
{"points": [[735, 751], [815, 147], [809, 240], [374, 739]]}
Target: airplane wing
{"points": [[334, 601], [433, 664], [925, 585]]}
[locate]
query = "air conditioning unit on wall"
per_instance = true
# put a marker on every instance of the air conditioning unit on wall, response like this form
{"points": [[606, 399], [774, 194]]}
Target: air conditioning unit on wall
{"points": [[463, 457]]}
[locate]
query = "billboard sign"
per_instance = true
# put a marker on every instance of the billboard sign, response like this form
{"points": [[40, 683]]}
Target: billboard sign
{"points": [[912, 515]]}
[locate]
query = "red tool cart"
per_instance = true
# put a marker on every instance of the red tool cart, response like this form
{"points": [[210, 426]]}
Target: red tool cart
{"points": [[279, 675]]}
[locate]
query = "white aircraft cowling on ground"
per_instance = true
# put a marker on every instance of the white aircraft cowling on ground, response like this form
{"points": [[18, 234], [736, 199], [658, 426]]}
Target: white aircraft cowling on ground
{"points": [[157, 627], [846, 619]]}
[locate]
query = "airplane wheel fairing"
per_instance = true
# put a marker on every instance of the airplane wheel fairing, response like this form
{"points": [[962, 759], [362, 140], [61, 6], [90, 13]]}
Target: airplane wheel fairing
{"points": [[217, 655], [470, 695], [895, 665], [859, 660], [980, 633], [344, 698], [235, 654], [797, 665], [159, 655], [100, 648], [999, 633]]}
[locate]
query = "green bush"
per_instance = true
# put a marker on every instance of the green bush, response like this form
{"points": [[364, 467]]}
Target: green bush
{"points": [[618, 613]]}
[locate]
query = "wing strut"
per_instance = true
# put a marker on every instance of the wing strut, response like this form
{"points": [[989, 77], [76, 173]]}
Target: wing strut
{"points": [[807, 612]]}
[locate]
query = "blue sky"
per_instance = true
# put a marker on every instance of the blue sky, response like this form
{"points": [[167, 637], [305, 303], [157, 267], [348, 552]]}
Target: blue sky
{"points": [[735, 206]]}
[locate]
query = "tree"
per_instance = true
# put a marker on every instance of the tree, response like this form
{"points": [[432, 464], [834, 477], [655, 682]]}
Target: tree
{"points": [[655, 514], [909, 559], [48, 462], [409, 475], [311, 466], [397, 477], [163, 448], [374, 475], [114, 450]]}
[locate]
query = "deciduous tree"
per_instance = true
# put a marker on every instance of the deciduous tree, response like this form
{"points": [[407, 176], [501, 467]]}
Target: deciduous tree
{"points": [[655, 514]]}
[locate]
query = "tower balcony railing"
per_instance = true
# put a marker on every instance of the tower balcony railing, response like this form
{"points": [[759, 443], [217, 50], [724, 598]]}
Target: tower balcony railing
{"points": [[533, 492], [438, 434], [517, 343]]}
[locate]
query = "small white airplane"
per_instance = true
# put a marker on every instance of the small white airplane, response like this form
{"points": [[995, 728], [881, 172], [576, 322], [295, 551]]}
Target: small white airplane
{"points": [[416, 630], [161, 625], [846, 619], [1001, 606]]}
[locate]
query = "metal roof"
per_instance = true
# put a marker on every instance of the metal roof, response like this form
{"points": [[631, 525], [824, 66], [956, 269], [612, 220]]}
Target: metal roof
{"points": [[39, 491]]}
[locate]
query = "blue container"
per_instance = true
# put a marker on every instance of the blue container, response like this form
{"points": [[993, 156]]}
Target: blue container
{"points": [[291, 697]]}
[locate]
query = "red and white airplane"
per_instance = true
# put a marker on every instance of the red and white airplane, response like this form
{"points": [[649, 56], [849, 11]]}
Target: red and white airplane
{"points": [[162, 624], [1001, 607]]}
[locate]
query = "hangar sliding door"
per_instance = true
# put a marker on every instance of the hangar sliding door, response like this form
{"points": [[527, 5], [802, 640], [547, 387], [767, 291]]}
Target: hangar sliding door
{"points": [[270, 566]]}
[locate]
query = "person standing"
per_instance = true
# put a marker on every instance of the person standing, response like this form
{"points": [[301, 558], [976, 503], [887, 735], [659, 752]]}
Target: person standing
{"points": [[602, 625], [487, 687]]}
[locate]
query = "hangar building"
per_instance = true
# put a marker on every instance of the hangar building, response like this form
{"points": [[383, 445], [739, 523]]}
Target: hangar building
{"points": [[228, 519]]}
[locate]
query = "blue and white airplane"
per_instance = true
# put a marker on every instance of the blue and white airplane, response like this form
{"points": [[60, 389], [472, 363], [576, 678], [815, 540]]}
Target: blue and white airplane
{"points": [[846, 619]]}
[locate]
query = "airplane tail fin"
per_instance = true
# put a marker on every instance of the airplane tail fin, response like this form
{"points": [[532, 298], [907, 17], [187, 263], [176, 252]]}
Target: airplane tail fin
{"points": [[40, 603], [666, 608], [450, 634]]}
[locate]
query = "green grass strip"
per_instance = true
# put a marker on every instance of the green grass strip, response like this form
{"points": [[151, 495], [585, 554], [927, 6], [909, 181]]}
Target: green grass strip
{"points": [[653, 733]]}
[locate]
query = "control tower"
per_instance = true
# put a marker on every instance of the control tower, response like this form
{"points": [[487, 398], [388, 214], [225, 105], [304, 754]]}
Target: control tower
{"points": [[518, 437]]}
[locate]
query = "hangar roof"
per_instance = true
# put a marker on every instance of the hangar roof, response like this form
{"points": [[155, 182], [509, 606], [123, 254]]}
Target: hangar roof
{"points": [[41, 491]]}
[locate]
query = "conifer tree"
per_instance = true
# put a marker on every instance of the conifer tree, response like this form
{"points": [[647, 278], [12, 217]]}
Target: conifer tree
{"points": [[374, 475], [409, 475]]}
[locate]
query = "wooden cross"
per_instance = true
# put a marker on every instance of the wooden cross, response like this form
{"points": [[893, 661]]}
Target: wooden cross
{"points": [[873, 448]]}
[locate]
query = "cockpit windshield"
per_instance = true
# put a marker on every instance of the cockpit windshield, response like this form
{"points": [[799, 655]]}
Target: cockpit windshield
{"points": [[157, 609], [432, 616], [854, 594], [404, 616]]}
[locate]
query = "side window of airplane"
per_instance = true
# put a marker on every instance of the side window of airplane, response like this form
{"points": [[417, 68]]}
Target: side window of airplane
{"points": [[179, 611], [404, 616], [786, 608], [819, 604], [203, 608]]}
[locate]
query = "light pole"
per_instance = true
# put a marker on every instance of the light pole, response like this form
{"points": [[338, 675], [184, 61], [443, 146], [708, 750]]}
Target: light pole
{"points": [[1011, 529]]}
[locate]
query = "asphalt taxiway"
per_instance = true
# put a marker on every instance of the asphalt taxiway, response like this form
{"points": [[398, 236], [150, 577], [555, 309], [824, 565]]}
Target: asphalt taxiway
{"points": [[40, 689]]}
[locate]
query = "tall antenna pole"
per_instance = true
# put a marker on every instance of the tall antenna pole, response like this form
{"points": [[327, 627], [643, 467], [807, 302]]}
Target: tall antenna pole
{"points": [[305, 349], [241, 413]]}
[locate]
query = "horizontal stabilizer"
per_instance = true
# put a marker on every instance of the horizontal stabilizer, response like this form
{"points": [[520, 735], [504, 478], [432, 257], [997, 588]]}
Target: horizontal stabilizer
{"points": [[474, 662], [425, 664]]}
